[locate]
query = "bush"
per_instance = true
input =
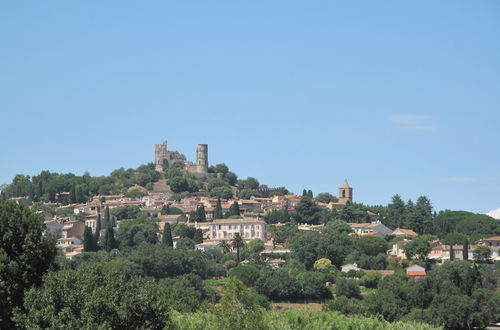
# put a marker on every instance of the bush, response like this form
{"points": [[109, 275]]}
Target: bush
{"points": [[347, 288], [371, 280]]}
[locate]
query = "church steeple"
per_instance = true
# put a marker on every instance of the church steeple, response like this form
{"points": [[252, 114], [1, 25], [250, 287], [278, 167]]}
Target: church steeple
{"points": [[345, 192]]}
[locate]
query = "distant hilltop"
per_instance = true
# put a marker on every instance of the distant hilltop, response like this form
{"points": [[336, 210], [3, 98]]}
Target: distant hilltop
{"points": [[165, 158]]}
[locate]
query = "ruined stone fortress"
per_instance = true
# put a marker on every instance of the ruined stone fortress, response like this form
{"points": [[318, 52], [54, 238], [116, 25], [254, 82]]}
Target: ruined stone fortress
{"points": [[164, 158]]}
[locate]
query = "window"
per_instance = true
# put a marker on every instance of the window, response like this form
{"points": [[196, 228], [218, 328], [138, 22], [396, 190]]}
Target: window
{"points": [[229, 226]]}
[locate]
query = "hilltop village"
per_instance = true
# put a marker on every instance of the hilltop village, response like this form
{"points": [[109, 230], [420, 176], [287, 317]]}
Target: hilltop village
{"points": [[191, 232]]}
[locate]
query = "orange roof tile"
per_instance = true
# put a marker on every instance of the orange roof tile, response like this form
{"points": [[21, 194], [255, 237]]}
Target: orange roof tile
{"points": [[416, 273]]}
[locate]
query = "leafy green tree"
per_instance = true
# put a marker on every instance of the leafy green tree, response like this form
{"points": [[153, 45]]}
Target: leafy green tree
{"points": [[218, 210], [185, 243], [323, 265], [307, 211], [371, 245], [235, 209], [126, 212], [134, 232], [277, 284], [326, 198], [419, 247], [94, 298], [167, 235], [237, 244], [248, 183], [482, 254], [221, 192], [25, 255], [247, 274], [347, 288]]}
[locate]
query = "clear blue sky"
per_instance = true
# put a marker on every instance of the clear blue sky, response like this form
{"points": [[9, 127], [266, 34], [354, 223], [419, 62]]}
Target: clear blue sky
{"points": [[396, 96]]}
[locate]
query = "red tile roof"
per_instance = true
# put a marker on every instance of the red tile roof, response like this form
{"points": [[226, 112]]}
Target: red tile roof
{"points": [[416, 272]]}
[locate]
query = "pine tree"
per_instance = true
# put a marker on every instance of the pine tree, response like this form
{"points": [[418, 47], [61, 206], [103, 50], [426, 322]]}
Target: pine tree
{"points": [[218, 210], [198, 236], [109, 239], [165, 209], [89, 242], [167, 235], [235, 209]]}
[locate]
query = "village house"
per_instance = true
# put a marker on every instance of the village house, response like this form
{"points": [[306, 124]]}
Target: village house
{"points": [[415, 272], [73, 228], [249, 229], [404, 232], [375, 228], [494, 244]]}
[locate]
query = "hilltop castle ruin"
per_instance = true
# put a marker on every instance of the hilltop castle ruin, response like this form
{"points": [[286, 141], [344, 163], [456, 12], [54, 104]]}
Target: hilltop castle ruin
{"points": [[164, 158]]}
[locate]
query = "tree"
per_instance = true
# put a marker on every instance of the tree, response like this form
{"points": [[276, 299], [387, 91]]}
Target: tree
{"points": [[218, 210], [395, 212], [418, 247], [25, 255], [235, 209], [371, 245], [482, 254], [273, 233], [323, 265], [201, 215], [452, 239], [89, 242], [167, 235], [107, 221], [97, 233], [238, 243], [307, 211], [347, 288], [109, 239], [198, 236], [326, 198], [224, 247]]}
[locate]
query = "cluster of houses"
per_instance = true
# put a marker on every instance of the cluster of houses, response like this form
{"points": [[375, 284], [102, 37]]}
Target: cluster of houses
{"points": [[250, 225]]}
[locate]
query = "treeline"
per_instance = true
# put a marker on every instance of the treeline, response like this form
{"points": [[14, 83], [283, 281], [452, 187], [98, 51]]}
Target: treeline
{"points": [[49, 187], [419, 217], [456, 295]]}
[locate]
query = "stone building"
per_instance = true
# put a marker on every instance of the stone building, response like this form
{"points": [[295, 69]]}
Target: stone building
{"points": [[345, 193], [165, 158]]}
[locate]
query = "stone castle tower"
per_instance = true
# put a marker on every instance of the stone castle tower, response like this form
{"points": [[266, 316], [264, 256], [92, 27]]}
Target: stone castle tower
{"points": [[345, 193], [164, 158]]}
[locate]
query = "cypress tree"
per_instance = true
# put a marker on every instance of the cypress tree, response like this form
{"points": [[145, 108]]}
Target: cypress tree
{"points": [[198, 236], [235, 209], [218, 210], [452, 253], [304, 192], [193, 216], [201, 213], [109, 239], [72, 194], [98, 226], [167, 235], [310, 194], [107, 222], [89, 243], [465, 250]]}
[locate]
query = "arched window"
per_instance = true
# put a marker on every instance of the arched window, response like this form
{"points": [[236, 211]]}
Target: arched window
{"points": [[343, 193]]}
